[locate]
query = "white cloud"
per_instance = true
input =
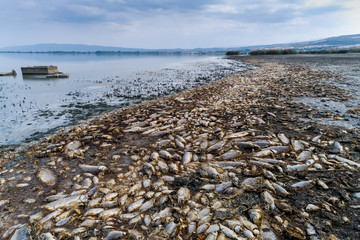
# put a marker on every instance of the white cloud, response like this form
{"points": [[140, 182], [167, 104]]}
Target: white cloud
{"points": [[220, 8], [320, 3]]}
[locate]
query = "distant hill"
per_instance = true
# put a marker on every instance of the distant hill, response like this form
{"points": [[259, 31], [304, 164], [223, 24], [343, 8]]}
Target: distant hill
{"points": [[52, 47], [339, 42]]}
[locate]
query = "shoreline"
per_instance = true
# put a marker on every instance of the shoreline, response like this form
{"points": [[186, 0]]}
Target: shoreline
{"points": [[231, 149], [49, 105]]}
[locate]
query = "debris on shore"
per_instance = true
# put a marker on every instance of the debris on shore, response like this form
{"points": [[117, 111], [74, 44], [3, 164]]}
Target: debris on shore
{"points": [[233, 159]]}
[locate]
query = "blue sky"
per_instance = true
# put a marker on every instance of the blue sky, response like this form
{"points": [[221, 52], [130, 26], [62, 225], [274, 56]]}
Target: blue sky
{"points": [[175, 24]]}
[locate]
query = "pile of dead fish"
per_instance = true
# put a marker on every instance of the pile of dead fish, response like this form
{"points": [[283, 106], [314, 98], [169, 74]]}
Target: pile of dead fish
{"points": [[194, 170]]}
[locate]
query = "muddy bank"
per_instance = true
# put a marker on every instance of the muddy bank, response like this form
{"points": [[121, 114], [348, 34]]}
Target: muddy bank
{"points": [[235, 158]]}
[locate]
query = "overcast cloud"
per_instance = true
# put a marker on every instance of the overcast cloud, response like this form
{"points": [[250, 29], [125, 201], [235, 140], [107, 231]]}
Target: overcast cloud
{"points": [[175, 24]]}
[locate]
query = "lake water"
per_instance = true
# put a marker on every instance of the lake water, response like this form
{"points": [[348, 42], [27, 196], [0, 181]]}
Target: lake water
{"points": [[31, 107]]}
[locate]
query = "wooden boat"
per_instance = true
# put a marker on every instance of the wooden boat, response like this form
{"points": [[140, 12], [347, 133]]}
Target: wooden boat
{"points": [[40, 70], [12, 73]]}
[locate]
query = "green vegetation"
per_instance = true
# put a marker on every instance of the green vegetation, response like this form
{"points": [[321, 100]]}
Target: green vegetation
{"points": [[273, 52], [232, 52], [332, 51], [291, 51]]}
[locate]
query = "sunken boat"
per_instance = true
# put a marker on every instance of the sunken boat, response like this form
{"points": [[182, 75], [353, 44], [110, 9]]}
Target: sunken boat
{"points": [[49, 71], [12, 73]]}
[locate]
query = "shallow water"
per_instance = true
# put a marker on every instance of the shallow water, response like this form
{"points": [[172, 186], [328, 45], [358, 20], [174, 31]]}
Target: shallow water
{"points": [[30, 107]]}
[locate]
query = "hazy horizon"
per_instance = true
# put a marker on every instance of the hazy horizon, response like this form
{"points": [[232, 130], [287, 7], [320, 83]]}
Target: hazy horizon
{"points": [[160, 24]]}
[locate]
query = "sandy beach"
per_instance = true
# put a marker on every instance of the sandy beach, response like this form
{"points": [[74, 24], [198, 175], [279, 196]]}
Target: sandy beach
{"points": [[238, 158]]}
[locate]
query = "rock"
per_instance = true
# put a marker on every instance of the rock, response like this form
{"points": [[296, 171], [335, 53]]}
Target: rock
{"points": [[47, 177], [22, 233], [71, 149]]}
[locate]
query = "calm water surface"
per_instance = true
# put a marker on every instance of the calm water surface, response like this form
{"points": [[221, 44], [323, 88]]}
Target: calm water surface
{"points": [[30, 107]]}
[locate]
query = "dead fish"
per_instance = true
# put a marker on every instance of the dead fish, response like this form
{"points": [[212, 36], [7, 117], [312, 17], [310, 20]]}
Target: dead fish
{"points": [[93, 212], [123, 199], [269, 150], [283, 138], [237, 135], [47, 236], [217, 146], [213, 228], [322, 184], [163, 166], [311, 208], [283, 206], [146, 206], [280, 190], [212, 236], [128, 216], [303, 184], [146, 183], [109, 197], [317, 139], [183, 194], [191, 228], [229, 233], [247, 224], [247, 146], [135, 205], [209, 187], [203, 213], [298, 167], [269, 200], [63, 221], [251, 183], [297, 145], [179, 144], [186, 158], [162, 214], [165, 155], [67, 202], [202, 228], [223, 186], [310, 230], [230, 155], [344, 160], [338, 148], [267, 233], [109, 213], [170, 229], [268, 174], [211, 172], [304, 155], [51, 215], [136, 235], [90, 168], [154, 156], [113, 235], [135, 188], [173, 168], [89, 223], [255, 215]]}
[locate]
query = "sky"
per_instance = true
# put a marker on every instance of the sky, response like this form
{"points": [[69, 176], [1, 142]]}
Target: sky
{"points": [[155, 24]]}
